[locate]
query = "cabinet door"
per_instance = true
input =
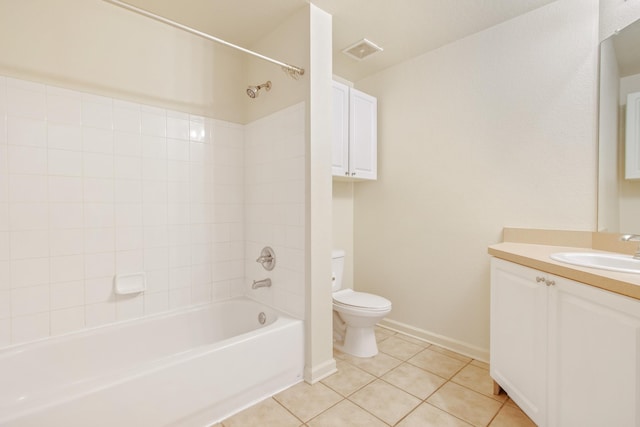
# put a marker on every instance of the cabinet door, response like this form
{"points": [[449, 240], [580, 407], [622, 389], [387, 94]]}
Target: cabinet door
{"points": [[632, 137], [518, 344], [363, 135], [340, 129], [594, 357]]}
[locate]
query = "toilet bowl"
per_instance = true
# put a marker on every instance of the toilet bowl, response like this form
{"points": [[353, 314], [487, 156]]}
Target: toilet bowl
{"points": [[358, 313]]}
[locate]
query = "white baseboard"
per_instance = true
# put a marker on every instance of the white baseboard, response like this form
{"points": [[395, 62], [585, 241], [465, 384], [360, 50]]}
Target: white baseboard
{"points": [[463, 348], [319, 372]]}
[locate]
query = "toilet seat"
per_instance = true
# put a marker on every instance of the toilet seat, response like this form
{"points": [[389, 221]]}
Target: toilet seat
{"points": [[349, 298]]}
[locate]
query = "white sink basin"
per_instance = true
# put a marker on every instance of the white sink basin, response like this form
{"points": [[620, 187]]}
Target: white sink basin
{"points": [[603, 261]]}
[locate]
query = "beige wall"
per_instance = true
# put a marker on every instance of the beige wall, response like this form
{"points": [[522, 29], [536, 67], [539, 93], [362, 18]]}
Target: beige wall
{"points": [[629, 189], [93, 46], [494, 130], [343, 226], [617, 14]]}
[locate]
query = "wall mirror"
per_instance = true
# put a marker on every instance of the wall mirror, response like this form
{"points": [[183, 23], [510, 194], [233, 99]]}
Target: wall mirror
{"points": [[618, 198]]}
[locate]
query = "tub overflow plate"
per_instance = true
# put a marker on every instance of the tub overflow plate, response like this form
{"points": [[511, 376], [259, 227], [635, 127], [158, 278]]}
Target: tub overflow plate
{"points": [[262, 318]]}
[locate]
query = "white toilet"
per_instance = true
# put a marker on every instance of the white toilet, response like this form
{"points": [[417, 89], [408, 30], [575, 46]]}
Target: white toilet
{"points": [[355, 314]]}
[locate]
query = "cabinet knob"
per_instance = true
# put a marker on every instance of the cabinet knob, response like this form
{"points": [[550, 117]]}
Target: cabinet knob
{"points": [[540, 279], [550, 282], [353, 173]]}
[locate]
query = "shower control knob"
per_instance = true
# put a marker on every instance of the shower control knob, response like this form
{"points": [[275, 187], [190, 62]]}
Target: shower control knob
{"points": [[353, 173]]}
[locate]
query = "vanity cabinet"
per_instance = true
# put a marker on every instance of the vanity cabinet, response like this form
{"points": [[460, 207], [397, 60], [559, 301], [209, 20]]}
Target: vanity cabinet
{"points": [[567, 353], [355, 135]]}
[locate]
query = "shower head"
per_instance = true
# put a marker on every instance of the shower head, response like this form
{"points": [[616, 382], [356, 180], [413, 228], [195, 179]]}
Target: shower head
{"points": [[253, 91]]}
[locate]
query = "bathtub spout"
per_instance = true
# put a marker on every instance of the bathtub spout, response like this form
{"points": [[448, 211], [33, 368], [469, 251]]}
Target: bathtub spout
{"points": [[266, 283]]}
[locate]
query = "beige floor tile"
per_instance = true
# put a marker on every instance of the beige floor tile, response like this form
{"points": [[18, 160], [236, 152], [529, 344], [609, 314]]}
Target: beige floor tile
{"points": [[267, 413], [437, 363], [465, 404], [385, 401], [477, 379], [426, 415], [414, 380], [346, 414], [479, 364], [306, 401], [450, 353], [348, 379], [338, 355], [377, 365], [413, 340], [383, 333], [511, 416], [399, 348]]}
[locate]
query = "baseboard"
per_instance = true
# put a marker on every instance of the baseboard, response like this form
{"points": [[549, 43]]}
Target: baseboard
{"points": [[466, 349], [316, 373]]}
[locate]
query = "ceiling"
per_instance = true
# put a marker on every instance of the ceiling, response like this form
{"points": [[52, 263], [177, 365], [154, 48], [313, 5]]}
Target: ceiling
{"points": [[404, 28]]}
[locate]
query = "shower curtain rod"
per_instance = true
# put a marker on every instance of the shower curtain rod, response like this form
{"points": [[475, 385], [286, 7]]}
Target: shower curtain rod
{"points": [[292, 70]]}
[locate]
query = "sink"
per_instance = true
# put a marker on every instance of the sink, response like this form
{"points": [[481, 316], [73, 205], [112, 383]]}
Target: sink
{"points": [[603, 261]]}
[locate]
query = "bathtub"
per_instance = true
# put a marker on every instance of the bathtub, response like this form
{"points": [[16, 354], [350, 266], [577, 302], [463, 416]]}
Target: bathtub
{"points": [[187, 368]]}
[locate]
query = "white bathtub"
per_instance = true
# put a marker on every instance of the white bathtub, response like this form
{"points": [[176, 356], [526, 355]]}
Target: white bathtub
{"points": [[190, 368]]}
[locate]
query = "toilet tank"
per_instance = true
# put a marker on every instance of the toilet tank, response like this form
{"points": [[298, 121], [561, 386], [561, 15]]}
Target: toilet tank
{"points": [[337, 268]]}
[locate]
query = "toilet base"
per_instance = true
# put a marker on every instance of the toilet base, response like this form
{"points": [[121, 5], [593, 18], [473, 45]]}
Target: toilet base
{"points": [[359, 342]]}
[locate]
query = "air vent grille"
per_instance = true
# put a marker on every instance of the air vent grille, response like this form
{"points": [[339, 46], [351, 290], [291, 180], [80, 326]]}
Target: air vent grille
{"points": [[362, 49]]}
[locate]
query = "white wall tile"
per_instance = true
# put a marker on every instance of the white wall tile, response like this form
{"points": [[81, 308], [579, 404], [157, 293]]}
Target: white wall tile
{"points": [[158, 281], [25, 101], [65, 189], [128, 238], [27, 188], [154, 147], [98, 290], [5, 245], [64, 136], [126, 116], [5, 332], [98, 215], [31, 327], [128, 215], [157, 236], [68, 268], [28, 216], [66, 215], [97, 165], [5, 275], [131, 261], [67, 320], [129, 306], [27, 160], [154, 214], [97, 140], [128, 191], [29, 244], [178, 128], [98, 190], [99, 265], [177, 150], [97, 115], [64, 107], [156, 302], [127, 167], [29, 272], [26, 132], [67, 294], [64, 162], [154, 169], [99, 240], [5, 304], [177, 171], [127, 143], [68, 241], [153, 123], [30, 300], [156, 258], [179, 297], [100, 314]]}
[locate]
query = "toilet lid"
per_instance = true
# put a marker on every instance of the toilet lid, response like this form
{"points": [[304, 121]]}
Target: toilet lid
{"points": [[361, 299]]}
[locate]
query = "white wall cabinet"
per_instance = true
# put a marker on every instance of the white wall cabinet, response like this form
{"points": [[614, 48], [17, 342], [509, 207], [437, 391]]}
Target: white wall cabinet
{"points": [[355, 134], [632, 137], [567, 353]]}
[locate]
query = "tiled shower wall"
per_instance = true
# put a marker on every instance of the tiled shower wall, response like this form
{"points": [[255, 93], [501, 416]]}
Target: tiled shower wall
{"points": [[91, 187], [274, 178]]}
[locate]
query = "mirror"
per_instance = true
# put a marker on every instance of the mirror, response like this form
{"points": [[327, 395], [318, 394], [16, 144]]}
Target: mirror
{"points": [[618, 198]]}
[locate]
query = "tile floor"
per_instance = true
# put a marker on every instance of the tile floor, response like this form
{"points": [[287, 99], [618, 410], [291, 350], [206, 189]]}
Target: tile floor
{"points": [[410, 383]]}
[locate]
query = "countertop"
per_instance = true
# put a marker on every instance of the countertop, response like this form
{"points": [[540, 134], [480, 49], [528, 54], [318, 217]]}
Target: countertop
{"points": [[537, 256]]}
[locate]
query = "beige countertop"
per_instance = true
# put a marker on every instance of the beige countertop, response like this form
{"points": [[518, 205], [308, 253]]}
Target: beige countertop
{"points": [[537, 256]]}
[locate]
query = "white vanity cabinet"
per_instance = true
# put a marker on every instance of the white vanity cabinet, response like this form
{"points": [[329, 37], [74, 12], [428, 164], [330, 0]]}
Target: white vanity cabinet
{"points": [[355, 134], [567, 353]]}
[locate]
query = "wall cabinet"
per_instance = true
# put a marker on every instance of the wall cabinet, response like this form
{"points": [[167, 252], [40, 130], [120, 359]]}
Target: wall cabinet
{"points": [[567, 353], [355, 134], [632, 137]]}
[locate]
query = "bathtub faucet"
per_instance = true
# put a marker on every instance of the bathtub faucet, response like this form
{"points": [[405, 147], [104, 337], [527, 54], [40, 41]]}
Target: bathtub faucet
{"points": [[266, 283]]}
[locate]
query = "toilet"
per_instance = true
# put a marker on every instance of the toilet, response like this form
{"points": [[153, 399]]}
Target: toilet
{"points": [[355, 314]]}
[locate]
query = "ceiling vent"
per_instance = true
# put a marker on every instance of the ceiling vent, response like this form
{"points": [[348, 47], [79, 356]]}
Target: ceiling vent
{"points": [[360, 50]]}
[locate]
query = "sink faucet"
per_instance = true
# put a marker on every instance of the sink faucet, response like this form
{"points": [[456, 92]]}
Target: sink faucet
{"points": [[266, 283], [632, 238]]}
